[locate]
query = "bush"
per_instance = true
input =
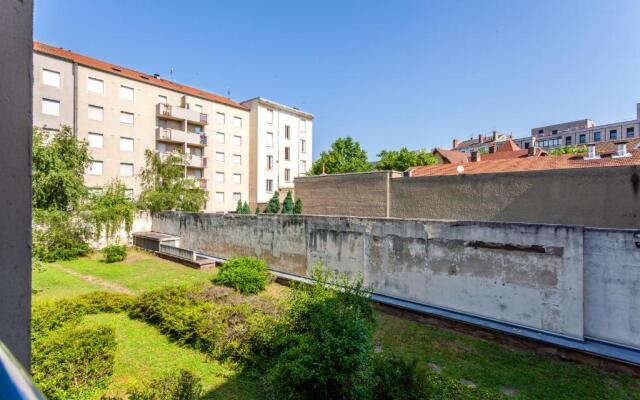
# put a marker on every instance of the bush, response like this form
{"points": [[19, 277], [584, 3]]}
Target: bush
{"points": [[182, 386], [73, 362], [248, 275], [114, 253], [58, 235], [396, 379]]}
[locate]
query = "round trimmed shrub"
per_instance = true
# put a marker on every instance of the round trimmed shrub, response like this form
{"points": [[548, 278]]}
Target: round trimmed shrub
{"points": [[114, 253], [248, 275]]}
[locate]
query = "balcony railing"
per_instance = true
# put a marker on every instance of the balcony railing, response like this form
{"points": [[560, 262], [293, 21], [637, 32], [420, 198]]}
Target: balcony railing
{"points": [[177, 136], [197, 161], [181, 114], [15, 383], [203, 183]]}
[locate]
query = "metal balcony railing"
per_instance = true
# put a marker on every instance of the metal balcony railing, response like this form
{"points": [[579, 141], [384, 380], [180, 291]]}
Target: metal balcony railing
{"points": [[15, 383]]}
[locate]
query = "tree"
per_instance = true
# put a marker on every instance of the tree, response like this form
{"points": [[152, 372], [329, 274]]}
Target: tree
{"points": [[345, 155], [287, 204], [403, 159], [257, 210], [297, 207], [243, 208], [110, 209], [273, 206], [568, 150], [58, 170], [165, 187]]}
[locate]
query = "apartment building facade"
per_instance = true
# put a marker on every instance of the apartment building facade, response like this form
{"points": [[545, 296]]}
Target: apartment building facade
{"points": [[281, 148], [121, 113]]}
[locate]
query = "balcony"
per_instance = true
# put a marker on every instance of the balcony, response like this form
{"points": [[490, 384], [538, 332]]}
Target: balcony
{"points": [[176, 136], [180, 114], [196, 161]]}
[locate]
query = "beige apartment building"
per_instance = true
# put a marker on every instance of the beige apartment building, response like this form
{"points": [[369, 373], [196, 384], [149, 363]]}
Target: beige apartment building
{"points": [[121, 113]]}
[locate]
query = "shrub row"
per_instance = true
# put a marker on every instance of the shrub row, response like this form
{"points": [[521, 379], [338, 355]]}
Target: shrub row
{"points": [[247, 275], [182, 386]]}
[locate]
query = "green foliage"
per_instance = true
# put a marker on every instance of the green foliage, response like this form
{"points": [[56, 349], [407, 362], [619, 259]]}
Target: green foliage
{"points": [[114, 253], [257, 210], [345, 155], [273, 206], [164, 186], [403, 159], [248, 275], [181, 386], [287, 204], [297, 206], [58, 235], [396, 379], [110, 209], [58, 169], [243, 208], [568, 150]]}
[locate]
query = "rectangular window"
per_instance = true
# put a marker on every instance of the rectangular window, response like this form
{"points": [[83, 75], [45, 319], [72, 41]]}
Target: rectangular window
{"points": [[269, 116], [287, 175], [51, 107], [198, 108], [631, 132], [303, 166], [303, 146], [126, 93], [269, 185], [237, 140], [237, 196], [287, 154], [613, 134], [567, 140], [237, 122], [126, 169], [162, 99], [220, 177], [220, 156], [582, 138], [95, 85], [95, 168], [237, 178], [269, 162], [287, 132], [237, 159], [95, 140], [269, 139], [303, 125], [219, 197], [220, 137], [96, 113], [51, 78], [220, 118], [126, 144], [597, 136], [126, 118]]}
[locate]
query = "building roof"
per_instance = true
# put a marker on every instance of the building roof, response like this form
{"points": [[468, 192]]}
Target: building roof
{"points": [[131, 74], [510, 150], [274, 104], [452, 156], [509, 145], [566, 161]]}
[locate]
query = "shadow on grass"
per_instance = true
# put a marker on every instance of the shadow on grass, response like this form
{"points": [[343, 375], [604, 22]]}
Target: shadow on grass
{"points": [[241, 386]]}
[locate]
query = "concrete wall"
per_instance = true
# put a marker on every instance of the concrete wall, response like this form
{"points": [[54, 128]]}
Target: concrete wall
{"points": [[529, 275], [16, 31], [141, 223]]}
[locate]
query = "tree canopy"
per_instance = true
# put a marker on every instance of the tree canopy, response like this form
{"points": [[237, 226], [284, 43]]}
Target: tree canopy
{"points": [[401, 160], [110, 208], [345, 155]]}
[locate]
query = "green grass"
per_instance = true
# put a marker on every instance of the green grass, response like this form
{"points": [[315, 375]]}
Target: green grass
{"points": [[54, 283]]}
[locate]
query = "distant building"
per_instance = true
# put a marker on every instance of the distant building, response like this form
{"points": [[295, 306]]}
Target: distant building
{"points": [[498, 151], [481, 142]]}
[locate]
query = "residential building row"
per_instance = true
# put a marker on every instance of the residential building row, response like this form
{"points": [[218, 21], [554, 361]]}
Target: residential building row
{"points": [[237, 151]]}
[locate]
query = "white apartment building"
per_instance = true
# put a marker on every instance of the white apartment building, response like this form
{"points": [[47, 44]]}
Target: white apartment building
{"points": [[121, 113], [281, 148]]}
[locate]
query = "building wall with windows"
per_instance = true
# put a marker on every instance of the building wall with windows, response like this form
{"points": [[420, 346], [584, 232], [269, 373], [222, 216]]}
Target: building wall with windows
{"points": [[53, 89], [281, 147]]}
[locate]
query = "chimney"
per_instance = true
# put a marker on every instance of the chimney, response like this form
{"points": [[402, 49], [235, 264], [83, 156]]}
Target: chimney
{"points": [[495, 136], [531, 152], [456, 142], [591, 152], [621, 150], [533, 141], [493, 148], [481, 138], [638, 111], [475, 155]]}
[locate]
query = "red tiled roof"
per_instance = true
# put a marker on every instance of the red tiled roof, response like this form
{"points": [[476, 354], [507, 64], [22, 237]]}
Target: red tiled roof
{"points": [[509, 145], [131, 74], [566, 161], [452, 156]]}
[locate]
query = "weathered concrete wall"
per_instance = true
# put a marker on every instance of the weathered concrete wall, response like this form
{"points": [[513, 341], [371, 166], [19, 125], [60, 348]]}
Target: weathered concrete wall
{"points": [[141, 223], [530, 275], [16, 22]]}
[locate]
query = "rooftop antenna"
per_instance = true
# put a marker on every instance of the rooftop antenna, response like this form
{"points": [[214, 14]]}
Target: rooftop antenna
{"points": [[171, 74], [228, 93]]}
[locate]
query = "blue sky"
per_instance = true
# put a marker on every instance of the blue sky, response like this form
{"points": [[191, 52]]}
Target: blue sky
{"points": [[389, 74]]}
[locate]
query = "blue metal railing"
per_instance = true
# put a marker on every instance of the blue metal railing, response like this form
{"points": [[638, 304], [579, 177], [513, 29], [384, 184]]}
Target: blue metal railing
{"points": [[15, 383]]}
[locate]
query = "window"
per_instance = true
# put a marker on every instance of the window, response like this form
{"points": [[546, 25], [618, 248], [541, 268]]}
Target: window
{"points": [[303, 146], [126, 93], [269, 139], [303, 125], [582, 138], [596, 137], [126, 144], [554, 132], [540, 131], [237, 122], [303, 166], [96, 113], [220, 118], [287, 175], [269, 116], [95, 168], [287, 132], [219, 197], [526, 145], [126, 169], [269, 162], [51, 78], [269, 185], [613, 134], [237, 159], [220, 177], [162, 99], [95, 140], [567, 140], [220, 156], [237, 196], [287, 154], [95, 85], [198, 108], [237, 140], [237, 178], [631, 132], [126, 118], [51, 107], [220, 137]]}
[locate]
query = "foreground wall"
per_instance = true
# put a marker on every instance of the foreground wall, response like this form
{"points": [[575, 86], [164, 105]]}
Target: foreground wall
{"points": [[529, 275]]}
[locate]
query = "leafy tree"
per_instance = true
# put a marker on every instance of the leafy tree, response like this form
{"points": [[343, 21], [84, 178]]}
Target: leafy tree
{"points": [[110, 209], [287, 204], [345, 155], [243, 208], [568, 150], [403, 159], [257, 210], [58, 169], [297, 207], [165, 186], [273, 206]]}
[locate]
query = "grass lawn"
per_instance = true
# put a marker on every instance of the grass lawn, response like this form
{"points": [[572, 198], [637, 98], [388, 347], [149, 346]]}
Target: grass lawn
{"points": [[53, 283]]}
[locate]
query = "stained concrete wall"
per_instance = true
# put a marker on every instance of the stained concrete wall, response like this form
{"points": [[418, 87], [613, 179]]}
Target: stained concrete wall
{"points": [[16, 23], [529, 275]]}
